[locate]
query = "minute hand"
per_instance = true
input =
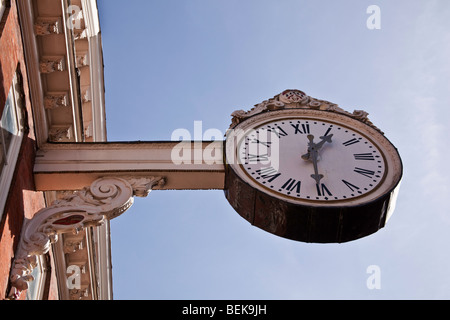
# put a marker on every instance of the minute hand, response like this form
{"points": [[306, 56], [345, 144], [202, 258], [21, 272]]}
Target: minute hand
{"points": [[324, 139], [316, 176], [315, 147]]}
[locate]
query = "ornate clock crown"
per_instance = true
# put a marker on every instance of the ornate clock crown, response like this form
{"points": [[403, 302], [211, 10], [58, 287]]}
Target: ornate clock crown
{"points": [[296, 99]]}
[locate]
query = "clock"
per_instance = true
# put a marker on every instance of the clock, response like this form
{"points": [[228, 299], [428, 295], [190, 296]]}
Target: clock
{"points": [[307, 170]]}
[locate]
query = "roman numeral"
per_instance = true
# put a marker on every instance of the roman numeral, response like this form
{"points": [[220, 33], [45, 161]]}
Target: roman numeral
{"points": [[305, 128], [328, 131], [322, 189], [278, 131], [351, 186], [257, 158], [364, 156], [268, 173], [292, 185], [365, 172], [267, 144], [350, 142]]}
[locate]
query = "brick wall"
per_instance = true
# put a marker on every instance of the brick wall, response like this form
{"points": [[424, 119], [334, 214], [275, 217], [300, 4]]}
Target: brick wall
{"points": [[23, 201]]}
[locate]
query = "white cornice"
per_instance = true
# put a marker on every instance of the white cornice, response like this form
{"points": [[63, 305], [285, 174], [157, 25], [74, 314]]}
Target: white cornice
{"points": [[57, 104], [79, 45], [92, 23], [32, 58]]}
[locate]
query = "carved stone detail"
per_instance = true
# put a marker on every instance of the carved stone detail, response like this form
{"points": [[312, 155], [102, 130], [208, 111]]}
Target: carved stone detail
{"points": [[60, 134], [296, 99], [46, 26], [64, 194], [79, 294], [82, 60], [80, 34], [55, 100], [88, 130], [143, 186], [72, 246], [105, 199], [86, 94], [52, 64]]}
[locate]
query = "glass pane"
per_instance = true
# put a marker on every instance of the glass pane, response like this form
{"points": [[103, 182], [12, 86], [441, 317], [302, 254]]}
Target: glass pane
{"points": [[9, 121], [2, 8], [35, 287], [8, 127]]}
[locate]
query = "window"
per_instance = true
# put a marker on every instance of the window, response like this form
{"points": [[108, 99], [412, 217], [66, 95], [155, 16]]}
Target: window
{"points": [[2, 8], [10, 139], [36, 287]]}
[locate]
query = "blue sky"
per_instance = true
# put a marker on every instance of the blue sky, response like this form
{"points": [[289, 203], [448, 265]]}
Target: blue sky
{"points": [[170, 63]]}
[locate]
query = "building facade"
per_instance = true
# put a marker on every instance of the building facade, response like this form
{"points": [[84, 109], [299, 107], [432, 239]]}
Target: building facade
{"points": [[61, 181], [51, 91]]}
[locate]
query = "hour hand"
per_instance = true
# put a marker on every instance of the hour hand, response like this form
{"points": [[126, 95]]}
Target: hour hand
{"points": [[306, 156], [319, 145], [311, 145], [317, 178], [326, 139], [315, 147]]}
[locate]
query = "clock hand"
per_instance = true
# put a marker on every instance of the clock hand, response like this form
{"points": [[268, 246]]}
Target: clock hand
{"points": [[316, 176], [312, 155], [319, 145], [315, 146], [307, 156]]}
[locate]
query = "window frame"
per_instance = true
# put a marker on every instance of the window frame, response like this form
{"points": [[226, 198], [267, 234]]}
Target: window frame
{"points": [[37, 287], [7, 171], [2, 8]]}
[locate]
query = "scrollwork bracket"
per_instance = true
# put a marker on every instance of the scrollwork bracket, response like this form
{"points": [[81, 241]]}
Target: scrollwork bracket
{"points": [[105, 198]]}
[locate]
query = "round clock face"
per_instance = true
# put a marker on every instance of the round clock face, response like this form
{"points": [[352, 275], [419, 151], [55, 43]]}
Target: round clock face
{"points": [[311, 160]]}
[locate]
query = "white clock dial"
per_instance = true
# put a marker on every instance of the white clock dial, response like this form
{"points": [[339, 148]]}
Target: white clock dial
{"points": [[311, 159]]}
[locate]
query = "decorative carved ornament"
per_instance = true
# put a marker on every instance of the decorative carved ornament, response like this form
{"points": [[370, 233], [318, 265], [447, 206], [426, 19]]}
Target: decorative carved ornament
{"points": [[54, 100], [78, 294], [52, 64], [86, 95], [73, 246], [47, 26], [296, 99], [80, 34], [60, 134], [105, 199], [82, 60]]}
